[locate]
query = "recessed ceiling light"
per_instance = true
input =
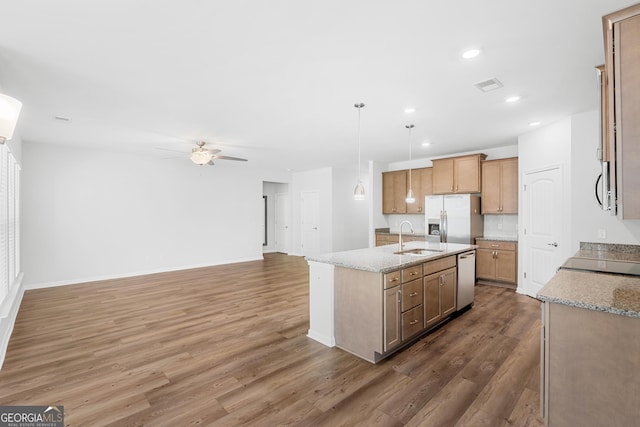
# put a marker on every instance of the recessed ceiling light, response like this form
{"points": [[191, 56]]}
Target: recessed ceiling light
{"points": [[410, 110], [471, 53], [514, 98], [426, 144], [534, 124]]}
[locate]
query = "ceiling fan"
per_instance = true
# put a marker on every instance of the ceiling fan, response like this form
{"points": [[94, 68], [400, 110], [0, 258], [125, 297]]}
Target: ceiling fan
{"points": [[205, 156]]}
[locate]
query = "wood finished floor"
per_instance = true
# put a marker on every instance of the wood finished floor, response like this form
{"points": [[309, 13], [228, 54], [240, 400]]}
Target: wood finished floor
{"points": [[227, 345]]}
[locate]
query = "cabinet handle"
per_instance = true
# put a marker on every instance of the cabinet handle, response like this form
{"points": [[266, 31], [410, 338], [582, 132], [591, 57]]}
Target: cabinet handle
{"points": [[413, 294], [395, 279], [419, 209], [495, 246], [456, 188], [413, 273], [452, 188], [413, 322]]}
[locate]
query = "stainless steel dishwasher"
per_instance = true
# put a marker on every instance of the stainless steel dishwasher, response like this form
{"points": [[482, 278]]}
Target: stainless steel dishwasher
{"points": [[466, 279]]}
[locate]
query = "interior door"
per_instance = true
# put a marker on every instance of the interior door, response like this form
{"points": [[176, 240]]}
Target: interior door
{"points": [[542, 218], [310, 223], [283, 223]]}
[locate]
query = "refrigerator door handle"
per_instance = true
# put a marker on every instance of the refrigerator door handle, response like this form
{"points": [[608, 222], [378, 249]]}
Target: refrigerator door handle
{"points": [[445, 225]]}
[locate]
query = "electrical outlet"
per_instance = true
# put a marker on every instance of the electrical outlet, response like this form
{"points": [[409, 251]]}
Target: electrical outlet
{"points": [[602, 233]]}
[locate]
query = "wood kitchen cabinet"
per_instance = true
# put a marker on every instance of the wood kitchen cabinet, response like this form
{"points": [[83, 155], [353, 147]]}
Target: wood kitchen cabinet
{"points": [[421, 183], [395, 185], [457, 174], [500, 186], [497, 261], [622, 73], [440, 285], [394, 191]]}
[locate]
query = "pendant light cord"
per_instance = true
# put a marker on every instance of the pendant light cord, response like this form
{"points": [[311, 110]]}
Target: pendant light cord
{"points": [[410, 127], [359, 107]]}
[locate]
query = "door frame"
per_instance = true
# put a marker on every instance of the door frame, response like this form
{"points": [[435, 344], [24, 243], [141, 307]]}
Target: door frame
{"points": [[524, 283]]}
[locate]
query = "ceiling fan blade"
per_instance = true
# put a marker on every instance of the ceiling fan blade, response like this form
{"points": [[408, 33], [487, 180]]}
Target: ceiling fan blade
{"points": [[213, 150], [229, 158]]}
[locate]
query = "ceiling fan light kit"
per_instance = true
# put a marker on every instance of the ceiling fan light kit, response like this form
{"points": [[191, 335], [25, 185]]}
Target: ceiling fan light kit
{"points": [[358, 192], [9, 112], [204, 156]]}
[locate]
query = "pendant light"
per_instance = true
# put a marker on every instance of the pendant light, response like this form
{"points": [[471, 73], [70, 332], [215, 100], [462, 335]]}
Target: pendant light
{"points": [[358, 192], [410, 197]]}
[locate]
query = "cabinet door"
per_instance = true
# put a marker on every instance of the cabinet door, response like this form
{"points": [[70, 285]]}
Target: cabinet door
{"points": [[388, 195], [485, 264], [442, 176], [491, 185], [432, 311], [448, 288], [394, 191], [466, 173], [509, 187], [506, 266], [416, 181], [392, 318]]}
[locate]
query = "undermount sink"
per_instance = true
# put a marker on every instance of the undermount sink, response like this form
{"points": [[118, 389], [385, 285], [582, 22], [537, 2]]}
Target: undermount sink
{"points": [[418, 251]]}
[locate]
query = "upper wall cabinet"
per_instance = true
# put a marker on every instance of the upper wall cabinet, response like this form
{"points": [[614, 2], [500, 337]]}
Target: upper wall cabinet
{"points": [[421, 181], [622, 71], [395, 186], [500, 186], [394, 191], [457, 174]]}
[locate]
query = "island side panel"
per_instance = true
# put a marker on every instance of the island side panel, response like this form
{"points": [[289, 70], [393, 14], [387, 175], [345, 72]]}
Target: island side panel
{"points": [[321, 310], [359, 312], [593, 366]]}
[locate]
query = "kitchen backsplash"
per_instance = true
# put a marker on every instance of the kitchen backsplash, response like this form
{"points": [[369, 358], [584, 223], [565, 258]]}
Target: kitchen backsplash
{"points": [[501, 226]]}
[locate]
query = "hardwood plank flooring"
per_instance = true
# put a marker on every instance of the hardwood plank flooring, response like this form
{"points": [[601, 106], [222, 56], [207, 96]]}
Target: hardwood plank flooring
{"points": [[227, 346]]}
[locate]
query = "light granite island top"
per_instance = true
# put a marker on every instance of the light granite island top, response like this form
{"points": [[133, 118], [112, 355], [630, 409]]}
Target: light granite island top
{"points": [[327, 270], [383, 259]]}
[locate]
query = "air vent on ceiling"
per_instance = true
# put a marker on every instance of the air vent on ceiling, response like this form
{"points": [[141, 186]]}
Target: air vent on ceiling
{"points": [[489, 85]]}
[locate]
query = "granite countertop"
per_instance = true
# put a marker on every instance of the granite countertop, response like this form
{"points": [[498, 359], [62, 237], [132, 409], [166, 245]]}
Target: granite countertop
{"points": [[405, 234], [612, 293], [499, 239], [382, 259]]}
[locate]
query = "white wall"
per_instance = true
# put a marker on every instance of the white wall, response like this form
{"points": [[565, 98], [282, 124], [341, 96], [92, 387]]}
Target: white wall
{"points": [[350, 216], [91, 214], [588, 218]]}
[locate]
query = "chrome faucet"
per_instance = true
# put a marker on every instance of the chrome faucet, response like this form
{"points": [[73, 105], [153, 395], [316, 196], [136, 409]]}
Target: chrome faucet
{"points": [[400, 244]]}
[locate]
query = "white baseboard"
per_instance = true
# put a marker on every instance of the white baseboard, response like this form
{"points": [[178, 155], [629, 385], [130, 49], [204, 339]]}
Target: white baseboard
{"points": [[321, 338], [8, 313], [130, 274]]}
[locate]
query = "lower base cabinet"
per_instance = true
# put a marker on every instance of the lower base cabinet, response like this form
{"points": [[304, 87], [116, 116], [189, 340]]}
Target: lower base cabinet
{"points": [[497, 261], [439, 296], [376, 314]]}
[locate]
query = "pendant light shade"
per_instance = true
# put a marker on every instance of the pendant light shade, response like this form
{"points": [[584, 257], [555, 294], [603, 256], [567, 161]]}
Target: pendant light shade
{"points": [[9, 112], [358, 192], [410, 197]]}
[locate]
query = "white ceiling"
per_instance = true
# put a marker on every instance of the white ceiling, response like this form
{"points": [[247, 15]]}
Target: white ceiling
{"points": [[275, 81]]}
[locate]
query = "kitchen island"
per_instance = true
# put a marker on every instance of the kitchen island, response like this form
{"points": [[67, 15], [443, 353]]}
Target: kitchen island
{"points": [[590, 339], [374, 301]]}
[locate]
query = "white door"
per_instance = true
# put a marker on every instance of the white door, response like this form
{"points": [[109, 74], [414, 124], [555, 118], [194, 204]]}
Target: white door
{"points": [[283, 223], [542, 227], [310, 219]]}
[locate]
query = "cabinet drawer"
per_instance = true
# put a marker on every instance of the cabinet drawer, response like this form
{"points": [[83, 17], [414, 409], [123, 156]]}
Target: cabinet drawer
{"points": [[392, 279], [412, 322], [411, 294], [497, 244], [439, 264], [411, 273]]}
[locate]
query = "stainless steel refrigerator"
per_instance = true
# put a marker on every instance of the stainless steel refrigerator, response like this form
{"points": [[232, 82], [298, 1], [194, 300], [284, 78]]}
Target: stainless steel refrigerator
{"points": [[453, 218]]}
